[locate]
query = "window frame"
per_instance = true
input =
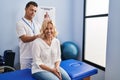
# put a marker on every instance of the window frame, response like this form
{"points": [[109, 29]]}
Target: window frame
{"points": [[84, 28]]}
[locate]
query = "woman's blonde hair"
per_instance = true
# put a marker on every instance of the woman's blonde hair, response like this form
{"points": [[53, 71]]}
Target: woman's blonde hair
{"points": [[45, 25]]}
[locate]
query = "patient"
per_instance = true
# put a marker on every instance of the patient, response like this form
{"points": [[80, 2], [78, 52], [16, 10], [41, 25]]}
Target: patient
{"points": [[47, 55]]}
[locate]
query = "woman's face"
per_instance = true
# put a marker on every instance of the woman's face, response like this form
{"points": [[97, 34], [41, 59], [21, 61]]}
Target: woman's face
{"points": [[49, 31]]}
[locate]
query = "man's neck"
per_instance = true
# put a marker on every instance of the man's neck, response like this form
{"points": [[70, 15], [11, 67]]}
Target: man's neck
{"points": [[28, 18]]}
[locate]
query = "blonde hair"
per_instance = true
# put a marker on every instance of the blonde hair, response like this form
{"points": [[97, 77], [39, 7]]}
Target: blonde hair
{"points": [[45, 25]]}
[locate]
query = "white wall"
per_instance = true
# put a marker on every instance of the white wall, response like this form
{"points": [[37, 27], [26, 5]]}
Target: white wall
{"points": [[113, 49]]}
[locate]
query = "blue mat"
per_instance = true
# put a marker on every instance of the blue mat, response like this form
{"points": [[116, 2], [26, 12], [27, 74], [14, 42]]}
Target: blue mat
{"points": [[24, 74], [76, 69]]}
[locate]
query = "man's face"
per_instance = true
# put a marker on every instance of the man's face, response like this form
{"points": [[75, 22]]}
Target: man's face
{"points": [[30, 11]]}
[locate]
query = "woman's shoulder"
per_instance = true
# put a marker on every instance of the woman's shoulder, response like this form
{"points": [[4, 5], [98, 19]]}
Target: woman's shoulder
{"points": [[36, 41], [56, 40]]}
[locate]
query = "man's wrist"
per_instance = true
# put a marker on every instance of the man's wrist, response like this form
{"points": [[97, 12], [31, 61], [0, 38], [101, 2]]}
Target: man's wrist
{"points": [[35, 36]]}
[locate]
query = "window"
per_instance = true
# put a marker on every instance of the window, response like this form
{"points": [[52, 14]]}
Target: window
{"points": [[95, 32]]}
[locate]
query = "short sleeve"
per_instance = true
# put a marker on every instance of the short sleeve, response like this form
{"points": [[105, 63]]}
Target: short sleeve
{"points": [[20, 29]]}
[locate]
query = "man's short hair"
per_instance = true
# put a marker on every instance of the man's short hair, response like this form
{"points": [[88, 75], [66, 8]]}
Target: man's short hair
{"points": [[31, 3]]}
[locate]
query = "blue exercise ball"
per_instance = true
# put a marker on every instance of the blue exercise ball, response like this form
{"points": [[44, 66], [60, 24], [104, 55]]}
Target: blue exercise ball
{"points": [[69, 50]]}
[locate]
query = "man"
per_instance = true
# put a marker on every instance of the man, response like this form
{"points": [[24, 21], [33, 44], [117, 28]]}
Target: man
{"points": [[27, 31]]}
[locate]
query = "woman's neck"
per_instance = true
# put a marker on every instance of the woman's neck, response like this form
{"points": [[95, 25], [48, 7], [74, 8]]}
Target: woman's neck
{"points": [[48, 40]]}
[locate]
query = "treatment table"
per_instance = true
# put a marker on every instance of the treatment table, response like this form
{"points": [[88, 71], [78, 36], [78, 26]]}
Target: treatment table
{"points": [[76, 69]]}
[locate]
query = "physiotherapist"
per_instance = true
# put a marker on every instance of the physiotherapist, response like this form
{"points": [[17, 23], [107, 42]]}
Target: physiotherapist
{"points": [[27, 31]]}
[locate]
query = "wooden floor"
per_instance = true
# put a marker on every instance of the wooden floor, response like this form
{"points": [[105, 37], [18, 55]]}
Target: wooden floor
{"points": [[88, 78]]}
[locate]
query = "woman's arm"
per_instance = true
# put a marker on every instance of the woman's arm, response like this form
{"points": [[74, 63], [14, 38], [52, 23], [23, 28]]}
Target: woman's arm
{"points": [[57, 65], [58, 57], [45, 67]]}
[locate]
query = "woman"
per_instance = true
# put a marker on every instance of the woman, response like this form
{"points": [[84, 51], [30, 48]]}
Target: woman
{"points": [[47, 55]]}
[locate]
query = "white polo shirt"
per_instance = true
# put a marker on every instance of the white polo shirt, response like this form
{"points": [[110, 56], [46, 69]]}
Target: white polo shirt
{"points": [[44, 54], [24, 29]]}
